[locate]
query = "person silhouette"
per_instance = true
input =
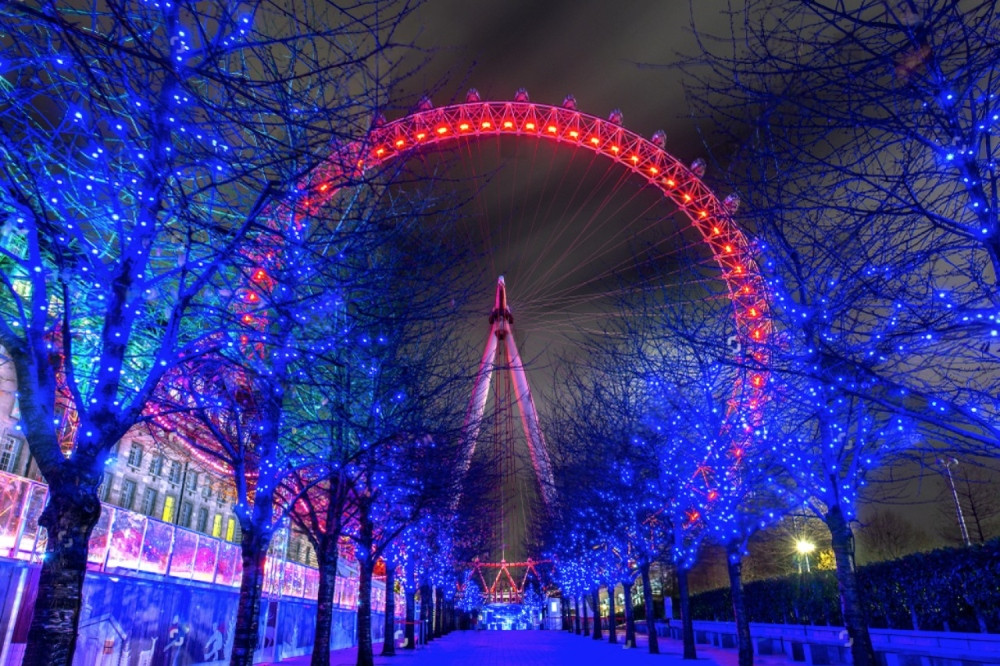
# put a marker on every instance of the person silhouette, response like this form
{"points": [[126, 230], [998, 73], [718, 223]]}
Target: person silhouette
{"points": [[214, 647], [176, 637]]}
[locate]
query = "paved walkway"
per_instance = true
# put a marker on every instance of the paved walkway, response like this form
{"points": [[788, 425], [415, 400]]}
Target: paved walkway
{"points": [[540, 648]]}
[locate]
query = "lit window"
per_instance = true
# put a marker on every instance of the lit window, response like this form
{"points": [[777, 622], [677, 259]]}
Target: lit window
{"points": [[169, 502], [217, 525]]}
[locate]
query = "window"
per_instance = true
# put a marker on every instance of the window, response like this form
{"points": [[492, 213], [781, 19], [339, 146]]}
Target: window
{"points": [[156, 465], [217, 525], [10, 446], [185, 518], [135, 455], [148, 501], [104, 491], [126, 497], [175, 472], [169, 502], [230, 529], [207, 491], [202, 520], [192, 481]]}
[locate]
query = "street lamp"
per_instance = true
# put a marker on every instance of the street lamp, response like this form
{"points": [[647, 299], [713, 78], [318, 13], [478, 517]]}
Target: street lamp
{"points": [[946, 464], [804, 548]]}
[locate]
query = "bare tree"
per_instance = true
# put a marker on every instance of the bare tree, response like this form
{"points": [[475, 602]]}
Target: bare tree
{"points": [[976, 493], [885, 535], [859, 135]]}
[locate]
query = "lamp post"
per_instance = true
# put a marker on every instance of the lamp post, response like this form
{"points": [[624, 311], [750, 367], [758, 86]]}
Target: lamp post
{"points": [[946, 464]]}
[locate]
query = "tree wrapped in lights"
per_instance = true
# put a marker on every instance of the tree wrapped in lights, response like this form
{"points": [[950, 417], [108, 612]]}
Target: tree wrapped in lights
{"points": [[703, 378], [866, 157], [142, 142], [403, 388]]}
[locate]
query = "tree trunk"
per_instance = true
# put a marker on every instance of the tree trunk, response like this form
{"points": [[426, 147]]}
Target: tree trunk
{"points": [[366, 566], [596, 597], [576, 606], [411, 604], [389, 642], [426, 606], [586, 629], [647, 598], [612, 621], [69, 517], [253, 550], [734, 564], [438, 612], [328, 559], [850, 594], [365, 652], [629, 616], [687, 623]]}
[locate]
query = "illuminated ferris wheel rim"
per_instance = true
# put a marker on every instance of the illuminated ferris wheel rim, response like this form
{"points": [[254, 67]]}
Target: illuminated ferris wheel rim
{"points": [[566, 125]]}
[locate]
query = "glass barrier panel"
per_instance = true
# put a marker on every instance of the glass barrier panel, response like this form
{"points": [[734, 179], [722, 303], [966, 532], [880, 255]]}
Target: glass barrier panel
{"points": [[226, 570], [126, 540], [12, 494], [293, 580], [156, 547], [205, 561], [312, 583], [97, 548], [33, 536], [185, 549]]}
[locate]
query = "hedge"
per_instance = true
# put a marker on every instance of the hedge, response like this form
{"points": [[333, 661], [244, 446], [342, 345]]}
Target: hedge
{"points": [[953, 589]]}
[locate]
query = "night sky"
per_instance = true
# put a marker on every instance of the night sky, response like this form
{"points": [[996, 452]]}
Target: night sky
{"points": [[607, 54]]}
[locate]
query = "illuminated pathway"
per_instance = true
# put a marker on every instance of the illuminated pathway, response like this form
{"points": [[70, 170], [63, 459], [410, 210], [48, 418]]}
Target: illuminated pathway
{"points": [[539, 648]]}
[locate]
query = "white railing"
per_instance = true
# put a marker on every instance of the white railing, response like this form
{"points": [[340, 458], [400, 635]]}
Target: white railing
{"points": [[831, 645]]}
